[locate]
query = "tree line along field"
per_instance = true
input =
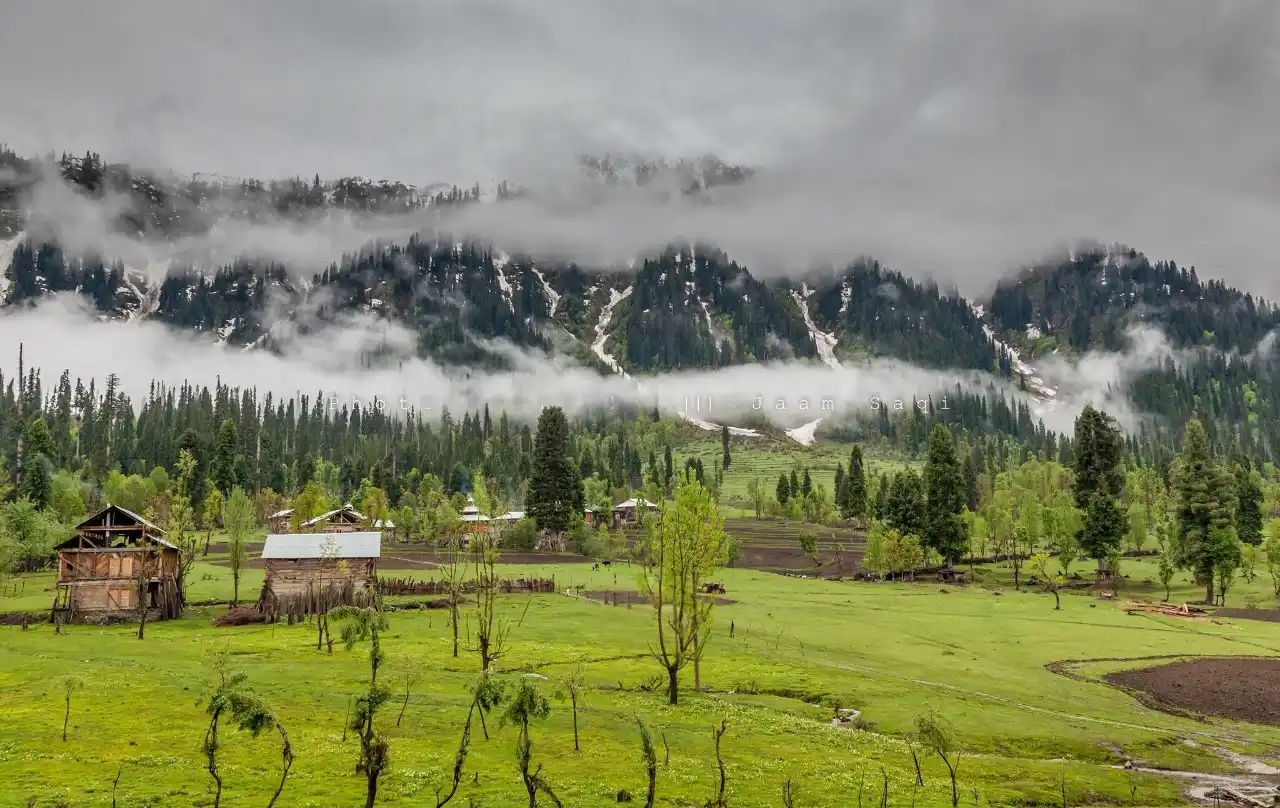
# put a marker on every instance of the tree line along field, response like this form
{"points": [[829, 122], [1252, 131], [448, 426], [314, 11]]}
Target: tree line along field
{"points": [[765, 458], [800, 649]]}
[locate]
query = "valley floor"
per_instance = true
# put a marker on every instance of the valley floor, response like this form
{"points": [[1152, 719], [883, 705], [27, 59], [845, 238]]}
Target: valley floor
{"points": [[784, 656]]}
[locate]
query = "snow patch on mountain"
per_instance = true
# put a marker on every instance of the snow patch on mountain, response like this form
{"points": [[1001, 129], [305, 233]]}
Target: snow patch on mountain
{"points": [[499, 264], [552, 294], [710, 426], [7, 248], [602, 332], [824, 341], [226, 331], [1046, 394], [805, 435], [144, 284]]}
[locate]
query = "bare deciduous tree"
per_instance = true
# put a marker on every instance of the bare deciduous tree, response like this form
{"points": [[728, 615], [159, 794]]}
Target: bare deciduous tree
{"points": [[528, 706], [683, 546], [367, 623], [411, 677], [448, 535], [230, 697], [937, 735], [69, 686], [491, 631], [718, 732], [573, 688], [650, 762]]}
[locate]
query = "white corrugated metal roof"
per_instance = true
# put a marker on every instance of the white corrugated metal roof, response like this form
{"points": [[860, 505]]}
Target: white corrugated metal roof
{"points": [[365, 544], [635, 503]]}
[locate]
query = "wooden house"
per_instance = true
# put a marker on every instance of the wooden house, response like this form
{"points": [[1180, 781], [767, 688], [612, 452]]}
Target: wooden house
{"points": [[472, 520], [113, 557], [343, 520], [300, 565], [278, 522], [632, 511]]}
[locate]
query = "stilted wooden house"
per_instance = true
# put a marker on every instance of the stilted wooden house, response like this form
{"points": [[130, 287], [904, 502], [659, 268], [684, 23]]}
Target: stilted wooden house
{"points": [[343, 520], [305, 568], [114, 557]]}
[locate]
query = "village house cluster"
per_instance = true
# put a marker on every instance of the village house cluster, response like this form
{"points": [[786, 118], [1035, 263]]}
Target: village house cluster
{"points": [[117, 560]]}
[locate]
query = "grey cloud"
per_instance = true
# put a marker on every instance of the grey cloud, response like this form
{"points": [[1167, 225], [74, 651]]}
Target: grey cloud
{"points": [[948, 139]]}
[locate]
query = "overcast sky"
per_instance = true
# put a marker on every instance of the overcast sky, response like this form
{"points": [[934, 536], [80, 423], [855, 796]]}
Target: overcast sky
{"points": [[950, 138]]}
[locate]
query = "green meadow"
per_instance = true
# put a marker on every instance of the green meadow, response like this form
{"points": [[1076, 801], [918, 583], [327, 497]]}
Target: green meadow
{"points": [[783, 657]]}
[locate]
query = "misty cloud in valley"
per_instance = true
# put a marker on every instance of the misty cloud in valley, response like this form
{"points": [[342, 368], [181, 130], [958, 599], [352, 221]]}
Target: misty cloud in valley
{"points": [[59, 335]]}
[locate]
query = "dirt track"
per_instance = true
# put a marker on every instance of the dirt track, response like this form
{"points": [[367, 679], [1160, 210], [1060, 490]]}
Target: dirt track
{"points": [[1242, 688]]}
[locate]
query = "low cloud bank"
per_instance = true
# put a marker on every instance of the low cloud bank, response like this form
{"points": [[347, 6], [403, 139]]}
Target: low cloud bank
{"points": [[60, 335]]}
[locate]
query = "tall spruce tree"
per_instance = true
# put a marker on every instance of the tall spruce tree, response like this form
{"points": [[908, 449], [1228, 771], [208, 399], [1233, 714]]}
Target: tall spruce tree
{"points": [[881, 506], [555, 490], [1205, 497], [944, 496], [854, 505], [972, 494], [783, 489], [1099, 483], [724, 446], [806, 483], [905, 505], [1248, 506], [226, 444], [794, 484]]}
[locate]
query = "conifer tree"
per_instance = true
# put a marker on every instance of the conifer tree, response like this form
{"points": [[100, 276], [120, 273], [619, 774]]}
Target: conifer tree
{"points": [[783, 490], [555, 489], [905, 504], [1205, 495], [854, 504], [793, 484], [1099, 482], [724, 447], [944, 496], [806, 484], [223, 472], [1248, 506]]}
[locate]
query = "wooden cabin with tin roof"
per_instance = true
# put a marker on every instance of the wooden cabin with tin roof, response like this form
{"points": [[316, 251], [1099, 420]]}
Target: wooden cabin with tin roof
{"points": [[305, 565]]}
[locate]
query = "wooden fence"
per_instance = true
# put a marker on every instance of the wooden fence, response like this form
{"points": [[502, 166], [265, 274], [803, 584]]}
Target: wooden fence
{"points": [[407, 586]]}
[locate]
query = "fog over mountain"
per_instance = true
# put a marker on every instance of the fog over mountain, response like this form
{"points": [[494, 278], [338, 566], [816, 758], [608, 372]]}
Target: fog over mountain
{"points": [[949, 140]]}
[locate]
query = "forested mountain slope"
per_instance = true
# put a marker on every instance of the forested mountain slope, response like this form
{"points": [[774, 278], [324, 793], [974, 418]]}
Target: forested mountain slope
{"points": [[685, 306], [1089, 300]]}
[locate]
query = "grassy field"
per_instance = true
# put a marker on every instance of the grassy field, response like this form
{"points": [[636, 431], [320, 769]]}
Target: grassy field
{"points": [[799, 648]]}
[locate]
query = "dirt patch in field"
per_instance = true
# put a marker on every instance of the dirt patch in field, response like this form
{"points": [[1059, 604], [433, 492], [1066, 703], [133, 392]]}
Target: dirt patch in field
{"points": [[620, 598], [1268, 615], [1246, 689]]}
